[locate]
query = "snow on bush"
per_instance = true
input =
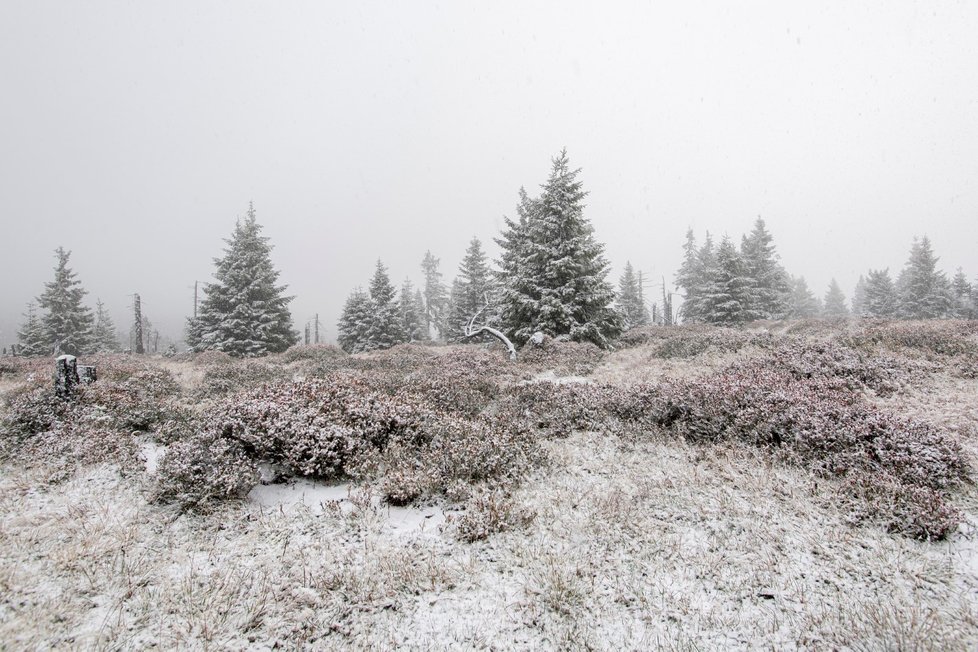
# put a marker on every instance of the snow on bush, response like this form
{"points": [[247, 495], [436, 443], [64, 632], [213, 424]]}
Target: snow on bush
{"points": [[489, 513], [203, 468], [565, 357], [693, 340], [220, 380]]}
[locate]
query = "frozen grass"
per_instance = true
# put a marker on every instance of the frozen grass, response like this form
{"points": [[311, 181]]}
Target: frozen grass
{"points": [[631, 541]]}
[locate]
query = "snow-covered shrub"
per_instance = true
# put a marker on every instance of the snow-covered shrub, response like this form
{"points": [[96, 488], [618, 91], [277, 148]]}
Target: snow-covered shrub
{"points": [[32, 409], [202, 468], [565, 357], [220, 380], [315, 352], [135, 403], [488, 513]]}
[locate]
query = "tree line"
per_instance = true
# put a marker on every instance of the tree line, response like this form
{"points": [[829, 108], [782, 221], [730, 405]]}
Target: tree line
{"points": [[551, 276]]}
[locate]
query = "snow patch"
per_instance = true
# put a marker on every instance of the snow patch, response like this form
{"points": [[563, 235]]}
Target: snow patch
{"points": [[319, 497], [151, 453]]}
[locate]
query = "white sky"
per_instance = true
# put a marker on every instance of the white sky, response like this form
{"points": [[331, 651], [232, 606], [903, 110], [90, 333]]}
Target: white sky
{"points": [[134, 134]]}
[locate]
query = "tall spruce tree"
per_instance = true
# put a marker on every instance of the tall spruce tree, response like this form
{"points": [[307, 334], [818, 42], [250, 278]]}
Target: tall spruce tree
{"points": [[924, 291], [31, 338], [560, 284], [67, 324], [769, 286], [105, 338], [456, 315], [353, 328], [385, 325], [412, 324], [804, 304], [630, 303], [963, 306], [512, 278], [727, 294], [690, 280], [434, 294], [835, 301], [859, 297], [244, 312], [881, 298]]}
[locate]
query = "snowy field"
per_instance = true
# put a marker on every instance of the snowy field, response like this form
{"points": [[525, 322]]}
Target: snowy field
{"points": [[623, 538]]}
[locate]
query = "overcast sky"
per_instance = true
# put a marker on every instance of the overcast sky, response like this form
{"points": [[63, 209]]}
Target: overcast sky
{"points": [[135, 134]]}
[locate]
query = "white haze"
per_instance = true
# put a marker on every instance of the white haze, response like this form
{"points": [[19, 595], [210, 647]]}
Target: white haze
{"points": [[135, 134]]}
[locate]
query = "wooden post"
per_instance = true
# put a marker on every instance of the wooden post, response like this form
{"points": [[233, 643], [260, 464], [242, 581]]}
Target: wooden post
{"points": [[138, 325], [66, 378]]}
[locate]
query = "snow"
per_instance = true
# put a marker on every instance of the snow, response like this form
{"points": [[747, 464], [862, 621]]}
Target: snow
{"points": [[151, 453], [318, 497]]}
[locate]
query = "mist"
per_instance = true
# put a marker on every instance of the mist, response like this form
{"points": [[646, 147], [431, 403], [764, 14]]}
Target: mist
{"points": [[136, 134]]}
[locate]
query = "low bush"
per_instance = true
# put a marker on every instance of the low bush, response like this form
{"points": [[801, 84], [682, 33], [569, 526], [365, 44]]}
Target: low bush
{"points": [[565, 357], [204, 468], [223, 379], [489, 513], [315, 352]]}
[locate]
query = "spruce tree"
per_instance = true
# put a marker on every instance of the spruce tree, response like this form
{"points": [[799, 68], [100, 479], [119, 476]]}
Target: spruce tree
{"points": [[456, 314], [835, 301], [512, 278], [244, 312], [727, 294], [880, 296], [804, 304], [690, 280], [354, 326], [560, 284], [67, 324], [769, 286], [385, 325], [963, 305], [434, 294], [630, 303], [411, 317], [859, 297], [31, 337], [104, 336], [925, 292]]}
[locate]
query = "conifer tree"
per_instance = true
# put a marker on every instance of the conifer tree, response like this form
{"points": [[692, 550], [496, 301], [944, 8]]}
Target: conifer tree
{"points": [[881, 297], [560, 283], [385, 325], [424, 335], [31, 337], [244, 312], [630, 303], [727, 293], [512, 278], [690, 280], [962, 306], [104, 336], [769, 285], [456, 314], [835, 301], [353, 328], [804, 304], [411, 322], [859, 297], [67, 324], [434, 294], [924, 291]]}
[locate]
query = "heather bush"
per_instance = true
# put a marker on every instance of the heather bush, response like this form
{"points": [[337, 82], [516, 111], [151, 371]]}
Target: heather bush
{"points": [[204, 468], [220, 380], [315, 353], [565, 357], [31, 409], [690, 341]]}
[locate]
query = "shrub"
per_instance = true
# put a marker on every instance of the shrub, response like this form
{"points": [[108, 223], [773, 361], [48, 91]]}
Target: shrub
{"points": [[204, 468], [564, 357], [488, 513], [315, 352], [223, 379]]}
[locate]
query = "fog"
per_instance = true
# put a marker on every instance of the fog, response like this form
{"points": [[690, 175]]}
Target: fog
{"points": [[135, 134]]}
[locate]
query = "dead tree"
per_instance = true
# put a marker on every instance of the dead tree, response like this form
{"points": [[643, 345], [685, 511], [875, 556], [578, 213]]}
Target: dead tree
{"points": [[471, 330], [66, 378]]}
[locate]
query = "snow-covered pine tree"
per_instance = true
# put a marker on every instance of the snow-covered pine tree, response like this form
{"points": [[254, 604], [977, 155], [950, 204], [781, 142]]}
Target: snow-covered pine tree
{"points": [[630, 303], [513, 284], [456, 315], [561, 285], [31, 337], [105, 338], [689, 279], [727, 294], [424, 335], [354, 325], [769, 287], [881, 298], [244, 312], [924, 291], [385, 325], [962, 292], [434, 295], [411, 322], [67, 323], [835, 301], [804, 304], [859, 297]]}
